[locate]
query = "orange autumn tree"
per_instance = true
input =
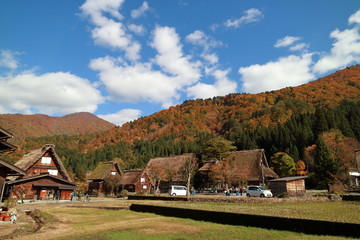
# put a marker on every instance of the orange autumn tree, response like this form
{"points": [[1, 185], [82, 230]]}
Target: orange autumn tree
{"points": [[343, 151]]}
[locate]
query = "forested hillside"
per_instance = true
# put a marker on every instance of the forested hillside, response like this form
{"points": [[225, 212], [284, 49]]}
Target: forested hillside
{"points": [[288, 120], [38, 125]]}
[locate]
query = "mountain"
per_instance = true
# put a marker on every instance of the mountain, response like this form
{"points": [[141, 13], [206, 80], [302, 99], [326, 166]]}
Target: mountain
{"points": [[39, 125], [287, 120], [266, 109]]}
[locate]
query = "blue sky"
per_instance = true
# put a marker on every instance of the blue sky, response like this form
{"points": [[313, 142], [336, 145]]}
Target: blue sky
{"points": [[125, 59]]}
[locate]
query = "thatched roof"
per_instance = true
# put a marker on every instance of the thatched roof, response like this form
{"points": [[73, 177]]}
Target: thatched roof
{"points": [[103, 170], [7, 147], [251, 161], [207, 166], [8, 168], [131, 177], [5, 134], [33, 156], [168, 166]]}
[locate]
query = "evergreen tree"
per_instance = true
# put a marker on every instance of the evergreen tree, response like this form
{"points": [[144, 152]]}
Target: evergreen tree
{"points": [[283, 164], [324, 164], [218, 148], [321, 124]]}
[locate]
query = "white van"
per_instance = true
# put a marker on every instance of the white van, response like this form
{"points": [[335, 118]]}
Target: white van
{"points": [[176, 190], [258, 191]]}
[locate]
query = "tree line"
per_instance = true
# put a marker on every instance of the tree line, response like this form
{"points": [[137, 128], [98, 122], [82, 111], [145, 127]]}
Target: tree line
{"points": [[293, 137]]}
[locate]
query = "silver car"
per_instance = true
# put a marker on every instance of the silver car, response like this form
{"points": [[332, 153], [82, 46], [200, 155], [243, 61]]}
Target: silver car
{"points": [[258, 191]]}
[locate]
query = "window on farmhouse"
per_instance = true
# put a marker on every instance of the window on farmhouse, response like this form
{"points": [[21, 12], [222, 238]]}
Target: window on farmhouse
{"points": [[142, 179], [53, 172], [46, 160], [113, 173]]}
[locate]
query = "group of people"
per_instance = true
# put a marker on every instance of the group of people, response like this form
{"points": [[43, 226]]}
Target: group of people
{"points": [[238, 191], [79, 196], [52, 195]]}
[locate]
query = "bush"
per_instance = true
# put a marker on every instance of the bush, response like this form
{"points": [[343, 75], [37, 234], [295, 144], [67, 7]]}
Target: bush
{"points": [[283, 195], [141, 193], [10, 203], [123, 193]]}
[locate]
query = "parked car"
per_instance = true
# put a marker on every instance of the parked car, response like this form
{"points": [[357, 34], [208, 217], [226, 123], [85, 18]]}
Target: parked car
{"points": [[176, 190], [258, 191]]}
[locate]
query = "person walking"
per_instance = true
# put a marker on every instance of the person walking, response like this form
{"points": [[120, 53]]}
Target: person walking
{"points": [[73, 196]]}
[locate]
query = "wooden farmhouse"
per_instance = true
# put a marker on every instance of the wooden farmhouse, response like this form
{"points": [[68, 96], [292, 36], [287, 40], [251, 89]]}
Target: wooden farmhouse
{"points": [[248, 167], [46, 177], [291, 186], [135, 181], [7, 170], [103, 172], [4, 145], [41, 187], [164, 171]]}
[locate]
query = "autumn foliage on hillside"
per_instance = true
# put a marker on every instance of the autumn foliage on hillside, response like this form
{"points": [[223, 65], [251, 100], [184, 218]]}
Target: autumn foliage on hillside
{"points": [[252, 110], [288, 120]]}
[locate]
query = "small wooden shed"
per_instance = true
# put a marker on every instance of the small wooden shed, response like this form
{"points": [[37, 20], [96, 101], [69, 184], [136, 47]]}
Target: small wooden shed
{"points": [[293, 186]]}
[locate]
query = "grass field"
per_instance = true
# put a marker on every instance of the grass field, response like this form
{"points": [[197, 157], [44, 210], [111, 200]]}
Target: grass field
{"points": [[75, 223], [84, 223], [329, 211]]}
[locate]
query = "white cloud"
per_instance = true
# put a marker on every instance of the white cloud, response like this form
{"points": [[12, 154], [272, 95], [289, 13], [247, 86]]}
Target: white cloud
{"points": [[207, 43], [122, 116], [140, 82], [140, 11], [211, 58], [8, 59], [49, 93], [201, 39], [291, 42], [171, 58], [355, 18], [252, 15], [110, 32], [286, 41], [299, 47], [285, 72], [138, 29], [95, 9], [111, 35], [345, 49], [222, 86], [135, 83]]}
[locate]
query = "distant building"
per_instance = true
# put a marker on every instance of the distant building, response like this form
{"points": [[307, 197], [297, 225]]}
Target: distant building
{"points": [[250, 166], [164, 171], [135, 181], [104, 171]]}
